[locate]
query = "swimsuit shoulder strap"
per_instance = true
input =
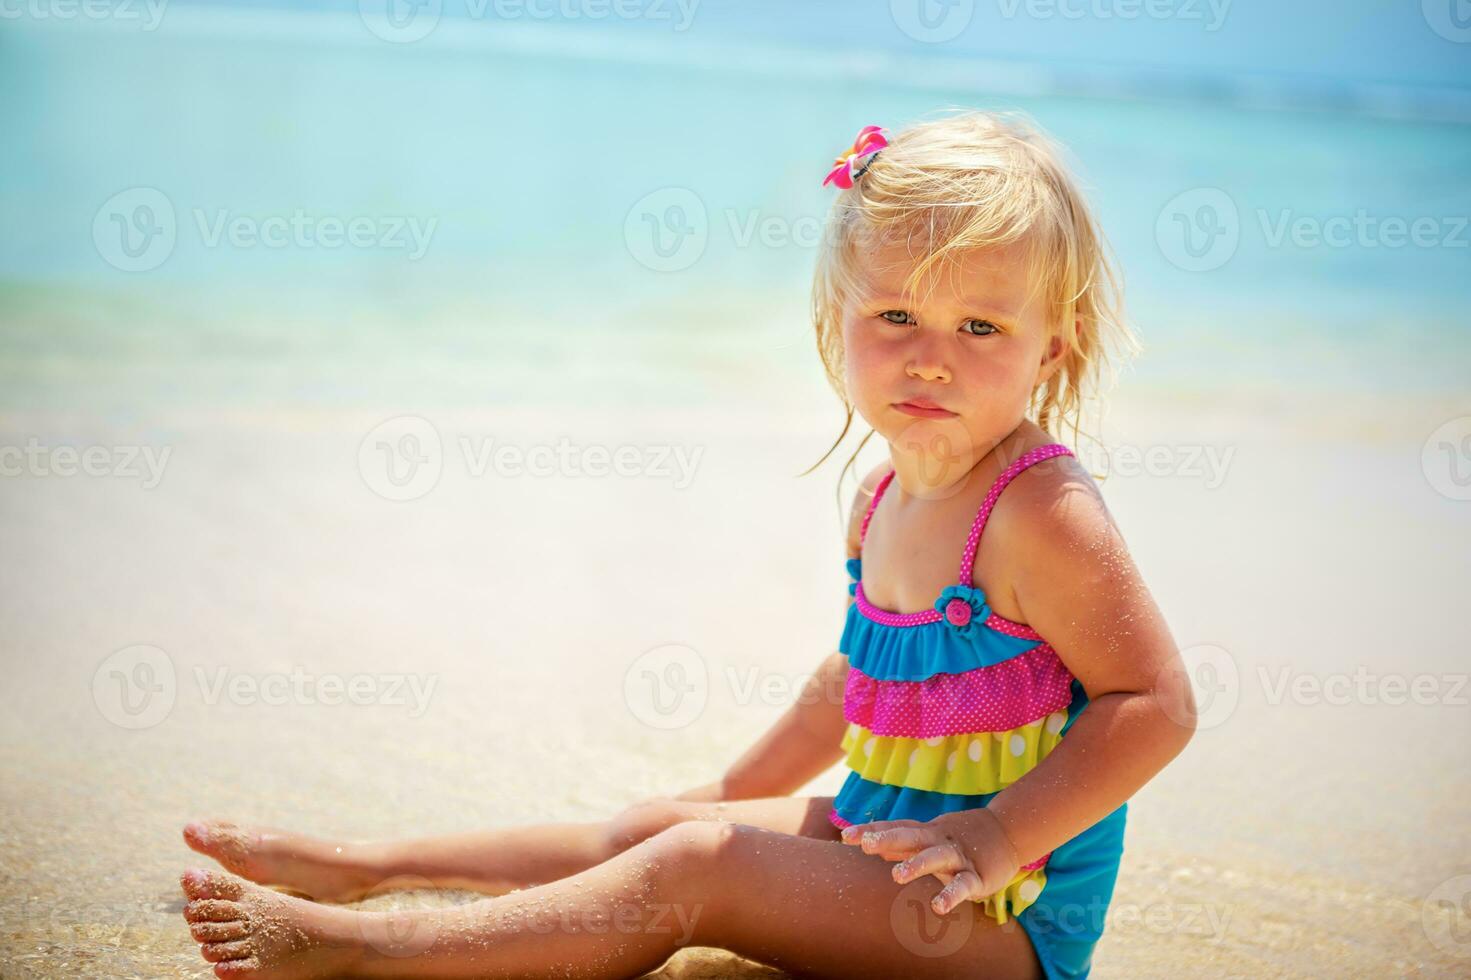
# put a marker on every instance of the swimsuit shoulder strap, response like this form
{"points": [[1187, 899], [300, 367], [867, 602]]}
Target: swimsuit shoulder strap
{"points": [[878, 492], [1029, 458]]}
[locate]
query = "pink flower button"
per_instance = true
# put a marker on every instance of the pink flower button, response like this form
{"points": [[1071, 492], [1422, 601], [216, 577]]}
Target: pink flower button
{"points": [[963, 607], [957, 612]]}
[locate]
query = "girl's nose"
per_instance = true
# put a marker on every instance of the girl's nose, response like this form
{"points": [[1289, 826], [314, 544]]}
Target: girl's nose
{"points": [[928, 358], [926, 363]]}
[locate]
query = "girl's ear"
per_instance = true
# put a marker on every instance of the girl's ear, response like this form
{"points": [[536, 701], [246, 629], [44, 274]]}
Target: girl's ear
{"points": [[1054, 352]]}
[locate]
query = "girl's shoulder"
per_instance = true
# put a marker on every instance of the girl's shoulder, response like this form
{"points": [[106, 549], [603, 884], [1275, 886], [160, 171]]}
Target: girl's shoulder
{"points": [[861, 499], [1055, 495], [1053, 513]]}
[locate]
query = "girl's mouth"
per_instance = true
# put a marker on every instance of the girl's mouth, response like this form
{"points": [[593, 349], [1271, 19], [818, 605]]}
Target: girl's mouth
{"points": [[923, 408]]}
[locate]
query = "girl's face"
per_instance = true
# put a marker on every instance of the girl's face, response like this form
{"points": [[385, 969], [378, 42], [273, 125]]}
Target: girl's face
{"points": [[950, 374]]}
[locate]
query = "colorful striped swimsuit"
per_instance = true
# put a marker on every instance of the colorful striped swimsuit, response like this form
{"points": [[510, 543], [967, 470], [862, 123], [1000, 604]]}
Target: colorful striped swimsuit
{"points": [[949, 706]]}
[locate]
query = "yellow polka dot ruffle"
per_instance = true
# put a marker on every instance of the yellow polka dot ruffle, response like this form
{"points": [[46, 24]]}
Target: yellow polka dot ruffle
{"points": [[979, 762], [1014, 899]]}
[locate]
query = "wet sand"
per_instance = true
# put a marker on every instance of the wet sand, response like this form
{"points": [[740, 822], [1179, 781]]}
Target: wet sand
{"points": [[1295, 838]]}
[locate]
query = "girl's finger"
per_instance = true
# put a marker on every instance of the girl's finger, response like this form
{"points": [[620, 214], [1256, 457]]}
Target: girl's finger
{"points": [[853, 833], [943, 857], [896, 842], [966, 885]]}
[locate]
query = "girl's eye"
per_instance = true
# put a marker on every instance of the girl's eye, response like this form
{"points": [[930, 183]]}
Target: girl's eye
{"points": [[982, 328]]}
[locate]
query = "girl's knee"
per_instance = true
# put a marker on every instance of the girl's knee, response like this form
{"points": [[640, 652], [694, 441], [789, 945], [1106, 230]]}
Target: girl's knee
{"points": [[697, 839], [645, 819], [688, 856]]}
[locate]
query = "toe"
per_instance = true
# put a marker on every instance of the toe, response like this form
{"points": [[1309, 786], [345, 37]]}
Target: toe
{"points": [[223, 952], [237, 969], [214, 834], [196, 834], [213, 910], [210, 884], [218, 932]]}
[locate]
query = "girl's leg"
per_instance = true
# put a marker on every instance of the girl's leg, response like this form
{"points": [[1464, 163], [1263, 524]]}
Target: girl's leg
{"points": [[810, 907], [492, 861]]}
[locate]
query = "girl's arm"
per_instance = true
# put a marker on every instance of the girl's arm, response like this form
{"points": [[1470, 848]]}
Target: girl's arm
{"points": [[1077, 585], [806, 739]]}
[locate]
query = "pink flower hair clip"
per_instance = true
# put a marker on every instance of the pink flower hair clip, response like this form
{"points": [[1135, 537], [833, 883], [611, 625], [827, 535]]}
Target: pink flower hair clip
{"points": [[854, 163]]}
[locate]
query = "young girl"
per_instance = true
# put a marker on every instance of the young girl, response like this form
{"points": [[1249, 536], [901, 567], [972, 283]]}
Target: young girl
{"points": [[1004, 670]]}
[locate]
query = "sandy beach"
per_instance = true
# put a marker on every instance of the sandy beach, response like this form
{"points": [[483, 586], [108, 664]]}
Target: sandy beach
{"points": [[1299, 835], [401, 414]]}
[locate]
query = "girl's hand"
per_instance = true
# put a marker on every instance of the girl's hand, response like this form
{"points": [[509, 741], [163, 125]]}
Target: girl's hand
{"points": [[967, 851]]}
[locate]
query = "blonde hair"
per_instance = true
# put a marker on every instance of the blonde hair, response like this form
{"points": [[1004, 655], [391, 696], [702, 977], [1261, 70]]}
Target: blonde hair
{"points": [[980, 179]]}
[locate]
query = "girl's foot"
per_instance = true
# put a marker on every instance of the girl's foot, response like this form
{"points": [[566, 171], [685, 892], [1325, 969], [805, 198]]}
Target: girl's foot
{"points": [[319, 870], [250, 933]]}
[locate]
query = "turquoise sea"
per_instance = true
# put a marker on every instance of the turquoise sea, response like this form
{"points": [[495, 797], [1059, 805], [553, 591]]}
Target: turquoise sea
{"points": [[251, 204]]}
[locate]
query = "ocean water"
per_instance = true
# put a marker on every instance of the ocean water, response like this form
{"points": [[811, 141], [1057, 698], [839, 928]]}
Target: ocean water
{"points": [[568, 211]]}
